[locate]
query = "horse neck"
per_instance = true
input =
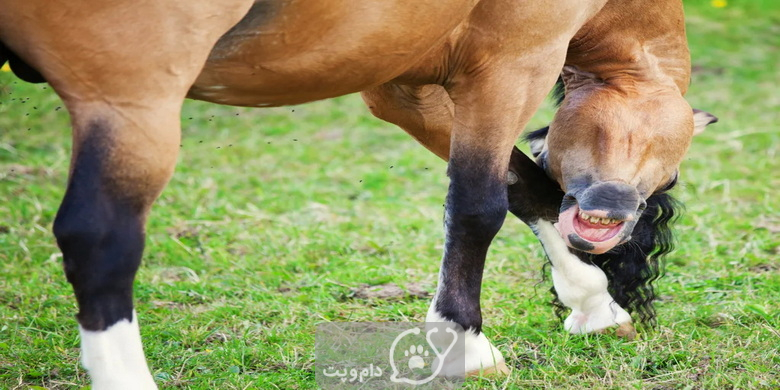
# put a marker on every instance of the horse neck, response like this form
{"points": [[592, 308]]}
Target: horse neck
{"points": [[633, 44]]}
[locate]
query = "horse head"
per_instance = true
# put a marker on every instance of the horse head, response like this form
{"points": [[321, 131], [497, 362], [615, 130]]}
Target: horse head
{"points": [[612, 145]]}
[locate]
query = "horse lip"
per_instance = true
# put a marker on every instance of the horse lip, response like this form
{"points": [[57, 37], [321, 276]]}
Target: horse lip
{"points": [[572, 231]]}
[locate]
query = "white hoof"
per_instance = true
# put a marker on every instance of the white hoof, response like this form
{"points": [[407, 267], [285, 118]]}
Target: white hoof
{"points": [[602, 316], [476, 356]]}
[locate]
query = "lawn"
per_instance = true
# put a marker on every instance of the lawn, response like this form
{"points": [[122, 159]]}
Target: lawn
{"points": [[276, 216]]}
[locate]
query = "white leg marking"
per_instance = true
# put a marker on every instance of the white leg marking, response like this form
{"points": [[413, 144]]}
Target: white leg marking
{"points": [[115, 358], [479, 354], [580, 286]]}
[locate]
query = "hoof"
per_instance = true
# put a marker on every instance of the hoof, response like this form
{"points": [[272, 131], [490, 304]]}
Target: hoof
{"points": [[605, 316], [478, 358], [625, 330], [499, 370]]}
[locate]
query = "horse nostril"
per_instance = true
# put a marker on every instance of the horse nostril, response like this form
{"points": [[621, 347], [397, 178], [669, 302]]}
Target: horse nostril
{"points": [[611, 199], [642, 206]]}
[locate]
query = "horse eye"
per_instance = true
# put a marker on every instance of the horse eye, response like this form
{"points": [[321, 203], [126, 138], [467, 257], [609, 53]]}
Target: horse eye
{"points": [[670, 184]]}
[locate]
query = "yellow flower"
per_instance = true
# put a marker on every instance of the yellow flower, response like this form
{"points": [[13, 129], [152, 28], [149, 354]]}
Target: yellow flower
{"points": [[719, 3], [6, 68]]}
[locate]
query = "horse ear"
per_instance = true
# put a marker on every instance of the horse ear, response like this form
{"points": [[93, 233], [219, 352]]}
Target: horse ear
{"points": [[537, 145], [701, 119], [574, 77], [536, 140]]}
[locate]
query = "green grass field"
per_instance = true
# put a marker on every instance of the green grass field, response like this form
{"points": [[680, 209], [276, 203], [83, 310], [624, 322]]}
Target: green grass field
{"points": [[275, 216]]}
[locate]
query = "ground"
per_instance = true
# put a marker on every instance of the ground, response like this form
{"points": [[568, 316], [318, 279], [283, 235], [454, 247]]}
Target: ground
{"points": [[277, 217]]}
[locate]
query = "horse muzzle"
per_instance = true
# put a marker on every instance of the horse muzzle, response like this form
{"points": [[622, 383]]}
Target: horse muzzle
{"points": [[599, 217]]}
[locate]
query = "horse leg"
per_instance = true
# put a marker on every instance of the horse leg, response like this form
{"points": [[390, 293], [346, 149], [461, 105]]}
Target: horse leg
{"points": [[122, 159], [485, 128], [582, 287], [120, 164], [125, 102], [486, 118], [426, 113]]}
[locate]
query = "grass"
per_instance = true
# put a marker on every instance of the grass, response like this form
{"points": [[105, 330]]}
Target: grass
{"points": [[275, 215]]}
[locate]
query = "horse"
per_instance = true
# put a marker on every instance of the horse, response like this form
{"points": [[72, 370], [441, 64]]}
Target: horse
{"points": [[462, 77]]}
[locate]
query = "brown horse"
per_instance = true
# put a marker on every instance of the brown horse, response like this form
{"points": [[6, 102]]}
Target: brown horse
{"points": [[463, 77]]}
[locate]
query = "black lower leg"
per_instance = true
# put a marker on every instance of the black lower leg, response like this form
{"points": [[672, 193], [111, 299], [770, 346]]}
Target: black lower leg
{"points": [[475, 210], [100, 233]]}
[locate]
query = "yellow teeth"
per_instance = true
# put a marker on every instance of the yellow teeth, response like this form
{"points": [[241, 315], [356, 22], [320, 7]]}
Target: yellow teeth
{"points": [[597, 220]]}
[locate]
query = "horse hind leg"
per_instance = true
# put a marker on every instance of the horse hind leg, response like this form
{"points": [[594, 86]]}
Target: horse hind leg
{"points": [[125, 101]]}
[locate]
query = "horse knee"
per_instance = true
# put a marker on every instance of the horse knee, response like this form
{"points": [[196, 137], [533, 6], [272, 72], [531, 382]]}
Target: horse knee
{"points": [[479, 226], [476, 207]]}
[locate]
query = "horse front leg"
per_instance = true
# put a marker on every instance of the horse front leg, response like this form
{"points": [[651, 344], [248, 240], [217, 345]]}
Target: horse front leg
{"points": [[122, 159], [583, 287], [489, 114], [475, 210], [579, 284], [426, 113]]}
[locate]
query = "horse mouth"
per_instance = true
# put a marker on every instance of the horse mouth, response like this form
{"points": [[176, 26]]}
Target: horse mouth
{"points": [[590, 233]]}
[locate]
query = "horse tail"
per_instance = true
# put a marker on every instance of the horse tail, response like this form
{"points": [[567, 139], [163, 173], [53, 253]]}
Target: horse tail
{"points": [[20, 68]]}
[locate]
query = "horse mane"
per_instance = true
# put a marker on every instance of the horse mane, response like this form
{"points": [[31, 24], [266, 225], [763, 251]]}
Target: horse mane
{"points": [[632, 267]]}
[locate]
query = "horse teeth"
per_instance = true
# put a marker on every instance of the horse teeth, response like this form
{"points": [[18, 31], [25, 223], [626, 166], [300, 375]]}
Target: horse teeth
{"points": [[597, 220]]}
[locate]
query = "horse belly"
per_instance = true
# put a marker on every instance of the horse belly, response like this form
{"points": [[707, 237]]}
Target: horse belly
{"points": [[289, 52]]}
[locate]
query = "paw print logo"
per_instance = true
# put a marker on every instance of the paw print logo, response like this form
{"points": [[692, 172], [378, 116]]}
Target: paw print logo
{"points": [[415, 355]]}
